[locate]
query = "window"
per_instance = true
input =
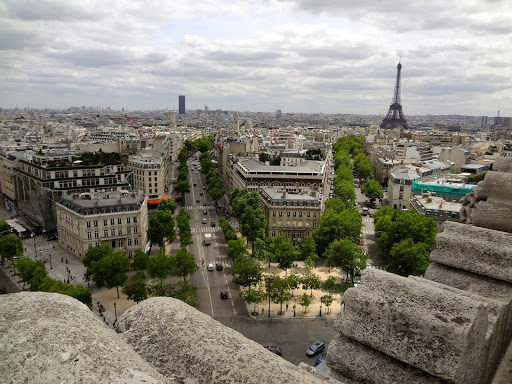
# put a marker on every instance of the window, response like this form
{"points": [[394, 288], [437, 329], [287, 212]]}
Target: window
{"points": [[294, 214], [96, 234], [307, 234], [120, 243], [299, 235], [273, 233], [400, 196], [314, 214], [134, 219], [129, 242], [401, 188], [280, 214], [128, 230], [95, 223], [105, 222], [128, 219], [118, 221], [314, 225], [293, 235], [300, 214], [288, 214], [135, 229], [88, 224], [90, 246], [308, 214], [111, 221], [120, 232], [97, 244], [105, 233], [113, 232], [136, 241], [130, 254], [89, 235], [274, 214]]}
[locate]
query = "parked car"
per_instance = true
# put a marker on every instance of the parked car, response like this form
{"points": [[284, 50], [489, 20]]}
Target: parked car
{"points": [[218, 266], [201, 193], [210, 267], [204, 221], [320, 360], [213, 223], [195, 184], [205, 212], [197, 200], [223, 295], [317, 348], [274, 349]]}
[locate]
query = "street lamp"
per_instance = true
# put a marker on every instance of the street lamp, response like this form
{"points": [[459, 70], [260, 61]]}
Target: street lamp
{"points": [[115, 312], [320, 309], [269, 280], [51, 267], [294, 306]]}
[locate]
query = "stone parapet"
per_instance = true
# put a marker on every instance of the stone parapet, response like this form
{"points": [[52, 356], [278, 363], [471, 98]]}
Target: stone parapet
{"points": [[478, 250], [417, 323], [367, 365], [184, 343], [52, 338]]}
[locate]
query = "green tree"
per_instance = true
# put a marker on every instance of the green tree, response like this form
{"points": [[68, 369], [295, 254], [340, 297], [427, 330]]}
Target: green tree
{"points": [[334, 225], [247, 272], [330, 284], [160, 227], [159, 267], [30, 271], [263, 157], [10, 247], [236, 248], [309, 279], [327, 301], [253, 224], [111, 271], [140, 260], [56, 286], [135, 288], [183, 186], [347, 256], [186, 292], [167, 205], [253, 296], [305, 302], [276, 160], [183, 264], [345, 190], [183, 224], [372, 189], [260, 250], [409, 258], [294, 280], [280, 291], [308, 249], [92, 256], [5, 229], [283, 251], [338, 204]]}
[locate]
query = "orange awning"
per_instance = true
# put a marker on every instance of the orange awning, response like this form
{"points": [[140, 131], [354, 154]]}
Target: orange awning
{"points": [[154, 201]]}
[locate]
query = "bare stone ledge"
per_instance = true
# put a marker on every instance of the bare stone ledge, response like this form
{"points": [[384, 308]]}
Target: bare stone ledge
{"points": [[417, 323], [367, 365], [184, 343], [492, 215], [52, 338], [479, 250]]}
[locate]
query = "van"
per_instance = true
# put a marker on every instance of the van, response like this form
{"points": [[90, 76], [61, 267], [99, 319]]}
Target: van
{"points": [[365, 211]]}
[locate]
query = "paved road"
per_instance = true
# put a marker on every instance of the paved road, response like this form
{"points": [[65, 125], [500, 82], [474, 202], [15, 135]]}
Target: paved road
{"points": [[293, 336]]}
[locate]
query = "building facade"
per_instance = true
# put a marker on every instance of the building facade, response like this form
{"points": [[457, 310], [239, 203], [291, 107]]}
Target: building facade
{"points": [[119, 219], [150, 174], [294, 215], [400, 187], [181, 99]]}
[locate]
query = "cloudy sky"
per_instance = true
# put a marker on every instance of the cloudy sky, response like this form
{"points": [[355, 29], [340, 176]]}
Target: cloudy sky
{"points": [[331, 56]]}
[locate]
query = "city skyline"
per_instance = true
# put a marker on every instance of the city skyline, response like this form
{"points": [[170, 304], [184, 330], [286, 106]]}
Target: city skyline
{"points": [[297, 56]]}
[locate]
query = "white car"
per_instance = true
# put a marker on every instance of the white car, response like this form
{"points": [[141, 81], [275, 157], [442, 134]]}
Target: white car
{"points": [[210, 267]]}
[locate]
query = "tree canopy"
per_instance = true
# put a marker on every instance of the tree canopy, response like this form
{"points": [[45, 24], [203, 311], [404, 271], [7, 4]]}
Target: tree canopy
{"points": [[347, 256], [283, 251], [408, 258], [135, 288], [10, 247], [372, 189], [334, 225], [161, 227], [247, 271], [111, 270], [182, 264]]}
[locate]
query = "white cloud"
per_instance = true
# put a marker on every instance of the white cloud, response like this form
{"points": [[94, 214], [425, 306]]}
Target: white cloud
{"points": [[304, 55]]}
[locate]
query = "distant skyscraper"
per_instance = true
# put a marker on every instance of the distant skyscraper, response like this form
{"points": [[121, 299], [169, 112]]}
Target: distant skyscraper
{"points": [[278, 114], [395, 117], [483, 122], [182, 105]]}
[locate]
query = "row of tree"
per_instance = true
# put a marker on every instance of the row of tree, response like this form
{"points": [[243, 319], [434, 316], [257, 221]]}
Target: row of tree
{"points": [[215, 187], [183, 185], [246, 207], [407, 237]]}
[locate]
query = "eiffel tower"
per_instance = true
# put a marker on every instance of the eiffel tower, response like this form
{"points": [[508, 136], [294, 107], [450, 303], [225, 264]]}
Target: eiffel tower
{"points": [[395, 117]]}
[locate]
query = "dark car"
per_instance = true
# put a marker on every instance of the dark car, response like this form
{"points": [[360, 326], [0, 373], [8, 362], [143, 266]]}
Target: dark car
{"points": [[205, 212], [274, 349], [213, 223], [197, 200], [195, 184], [320, 360], [223, 295], [315, 349], [218, 266], [201, 193]]}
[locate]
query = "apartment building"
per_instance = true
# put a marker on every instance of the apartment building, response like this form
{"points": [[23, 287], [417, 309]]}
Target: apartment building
{"points": [[294, 215], [41, 178], [119, 219], [400, 186], [150, 173]]}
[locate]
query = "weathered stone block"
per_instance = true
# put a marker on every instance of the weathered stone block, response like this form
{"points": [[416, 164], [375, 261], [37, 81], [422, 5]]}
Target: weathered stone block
{"points": [[52, 338], [479, 250], [417, 323], [497, 187], [191, 346], [367, 365], [493, 215], [502, 164]]}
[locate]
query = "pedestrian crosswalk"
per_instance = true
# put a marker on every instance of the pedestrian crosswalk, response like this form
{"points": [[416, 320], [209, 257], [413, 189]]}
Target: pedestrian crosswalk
{"points": [[368, 232], [226, 263], [201, 207], [205, 229]]}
